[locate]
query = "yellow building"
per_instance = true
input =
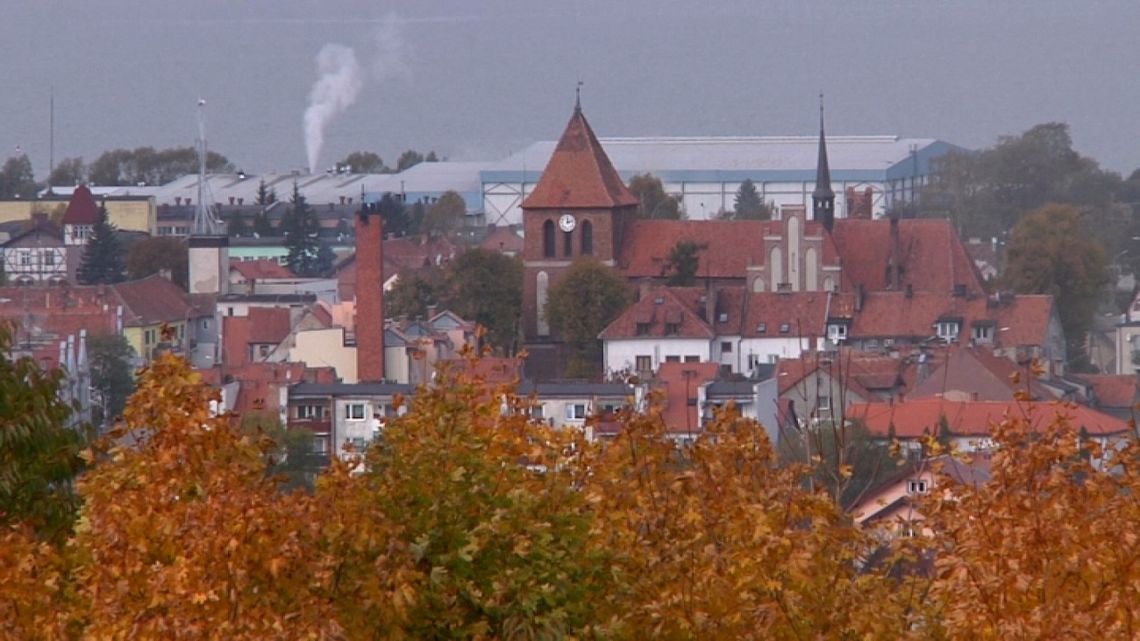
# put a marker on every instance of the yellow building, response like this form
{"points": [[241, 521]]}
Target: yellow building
{"points": [[128, 213]]}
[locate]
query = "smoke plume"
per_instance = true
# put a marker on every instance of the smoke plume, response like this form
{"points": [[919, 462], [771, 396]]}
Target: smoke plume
{"points": [[389, 59], [335, 90]]}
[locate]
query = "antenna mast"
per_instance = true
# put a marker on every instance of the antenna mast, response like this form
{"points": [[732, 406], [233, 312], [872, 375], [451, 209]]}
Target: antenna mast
{"points": [[204, 222]]}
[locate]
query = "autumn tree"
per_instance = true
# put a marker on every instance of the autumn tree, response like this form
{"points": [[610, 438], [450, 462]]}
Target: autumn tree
{"points": [[103, 256], [150, 166], [466, 522], [653, 201], [413, 292], [363, 162], [486, 287], [445, 215], [68, 172], [158, 254], [208, 546], [1051, 252], [17, 180], [589, 296]]}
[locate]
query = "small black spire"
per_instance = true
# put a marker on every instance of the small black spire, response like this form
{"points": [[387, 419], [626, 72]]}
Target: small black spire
{"points": [[578, 97], [823, 198]]}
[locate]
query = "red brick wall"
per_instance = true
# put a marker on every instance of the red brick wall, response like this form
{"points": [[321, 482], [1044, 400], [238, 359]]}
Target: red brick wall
{"points": [[369, 297], [859, 205]]}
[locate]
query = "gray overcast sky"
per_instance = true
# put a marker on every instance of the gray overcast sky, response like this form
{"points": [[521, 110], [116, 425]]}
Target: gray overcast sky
{"points": [[475, 79]]}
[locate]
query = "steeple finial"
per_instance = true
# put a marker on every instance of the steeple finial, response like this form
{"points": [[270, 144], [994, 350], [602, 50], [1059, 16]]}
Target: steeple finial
{"points": [[578, 96], [823, 198]]}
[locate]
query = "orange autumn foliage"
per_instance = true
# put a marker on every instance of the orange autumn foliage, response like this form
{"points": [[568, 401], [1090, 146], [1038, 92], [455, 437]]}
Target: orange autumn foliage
{"points": [[469, 520]]}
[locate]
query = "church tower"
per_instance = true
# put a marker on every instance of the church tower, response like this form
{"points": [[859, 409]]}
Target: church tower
{"points": [[823, 198], [578, 208]]}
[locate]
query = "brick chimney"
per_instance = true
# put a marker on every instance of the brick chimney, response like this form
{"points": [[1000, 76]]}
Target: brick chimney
{"points": [[369, 295]]}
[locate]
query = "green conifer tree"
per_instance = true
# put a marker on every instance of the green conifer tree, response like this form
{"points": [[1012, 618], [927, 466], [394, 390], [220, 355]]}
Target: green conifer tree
{"points": [[301, 228], [103, 258]]}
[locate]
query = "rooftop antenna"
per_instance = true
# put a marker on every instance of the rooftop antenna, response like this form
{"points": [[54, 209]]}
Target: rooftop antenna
{"points": [[204, 222], [51, 136]]}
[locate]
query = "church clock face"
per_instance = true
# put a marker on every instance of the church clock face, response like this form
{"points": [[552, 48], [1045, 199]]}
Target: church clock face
{"points": [[567, 222]]}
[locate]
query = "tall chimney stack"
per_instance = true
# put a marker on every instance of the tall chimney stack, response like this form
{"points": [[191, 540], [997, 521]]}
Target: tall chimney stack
{"points": [[369, 295]]}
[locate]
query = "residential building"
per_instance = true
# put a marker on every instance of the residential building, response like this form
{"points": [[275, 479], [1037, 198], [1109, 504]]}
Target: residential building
{"points": [[344, 414], [37, 256]]}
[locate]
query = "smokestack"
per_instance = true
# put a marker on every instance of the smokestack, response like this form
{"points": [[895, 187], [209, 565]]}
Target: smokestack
{"points": [[369, 295]]}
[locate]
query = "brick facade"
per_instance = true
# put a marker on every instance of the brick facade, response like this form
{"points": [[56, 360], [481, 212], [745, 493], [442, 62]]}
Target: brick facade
{"points": [[369, 297]]}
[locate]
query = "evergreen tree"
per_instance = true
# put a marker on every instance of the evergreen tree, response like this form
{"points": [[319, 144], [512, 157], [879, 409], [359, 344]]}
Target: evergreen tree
{"points": [[682, 263], [262, 226], [395, 215], [103, 259], [266, 195], [237, 227], [301, 228], [748, 204]]}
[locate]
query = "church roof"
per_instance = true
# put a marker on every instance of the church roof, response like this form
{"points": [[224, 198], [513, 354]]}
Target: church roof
{"points": [[81, 209], [579, 174], [932, 256]]}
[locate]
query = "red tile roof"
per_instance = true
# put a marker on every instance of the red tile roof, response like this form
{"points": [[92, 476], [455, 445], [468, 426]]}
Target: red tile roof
{"points": [[268, 324], [235, 341], [259, 384], [804, 313], [932, 255], [978, 373], [504, 240], [681, 382], [1111, 390], [152, 300], [579, 174], [660, 306], [260, 269], [912, 419], [81, 209], [1024, 320]]}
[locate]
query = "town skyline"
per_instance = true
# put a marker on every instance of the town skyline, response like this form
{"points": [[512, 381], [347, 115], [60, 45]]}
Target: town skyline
{"points": [[489, 80]]}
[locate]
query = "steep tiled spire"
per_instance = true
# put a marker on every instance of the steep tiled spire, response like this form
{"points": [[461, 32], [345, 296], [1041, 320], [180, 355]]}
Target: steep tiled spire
{"points": [[823, 198], [579, 174]]}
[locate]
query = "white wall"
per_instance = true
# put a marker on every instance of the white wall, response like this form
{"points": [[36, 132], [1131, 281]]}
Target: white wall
{"points": [[621, 354]]}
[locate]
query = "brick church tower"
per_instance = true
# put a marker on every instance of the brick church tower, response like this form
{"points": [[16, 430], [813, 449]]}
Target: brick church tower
{"points": [[578, 208]]}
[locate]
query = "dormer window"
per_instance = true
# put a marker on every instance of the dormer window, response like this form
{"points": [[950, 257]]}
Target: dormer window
{"points": [[785, 328], [947, 330], [642, 329], [672, 329], [983, 333], [762, 328], [836, 332]]}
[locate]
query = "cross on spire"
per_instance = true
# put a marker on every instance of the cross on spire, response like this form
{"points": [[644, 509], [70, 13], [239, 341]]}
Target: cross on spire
{"points": [[578, 96]]}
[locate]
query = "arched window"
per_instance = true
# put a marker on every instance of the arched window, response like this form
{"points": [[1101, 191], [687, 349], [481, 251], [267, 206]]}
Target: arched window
{"points": [[587, 238], [567, 244], [776, 267], [548, 239], [542, 286], [811, 263]]}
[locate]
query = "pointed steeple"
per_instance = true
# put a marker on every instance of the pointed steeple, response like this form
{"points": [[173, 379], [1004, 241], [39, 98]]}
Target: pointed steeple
{"points": [[579, 174], [823, 198]]}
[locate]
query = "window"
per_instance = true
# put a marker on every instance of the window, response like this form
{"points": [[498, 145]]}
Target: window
{"points": [[983, 333], [644, 363], [916, 486], [726, 347], [587, 238], [576, 412], [762, 328], [692, 358], [836, 332], [567, 244], [672, 329], [229, 311], [148, 337], [946, 330], [672, 359], [785, 328], [825, 403], [548, 239], [25, 258], [310, 412], [49, 258], [205, 323], [538, 412], [354, 411], [320, 445], [642, 329], [262, 350]]}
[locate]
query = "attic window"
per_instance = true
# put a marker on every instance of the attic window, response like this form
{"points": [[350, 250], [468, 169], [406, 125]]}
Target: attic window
{"points": [[983, 333], [672, 329], [723, 317], [762, 328], [785, 328], [836, 332], [643, 329], [659, 301], [916, 486], [946, 330]]}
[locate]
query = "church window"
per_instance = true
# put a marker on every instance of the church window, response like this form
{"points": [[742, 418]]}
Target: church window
{"points": [[548, 239], [567, 244], [587, 238]]}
